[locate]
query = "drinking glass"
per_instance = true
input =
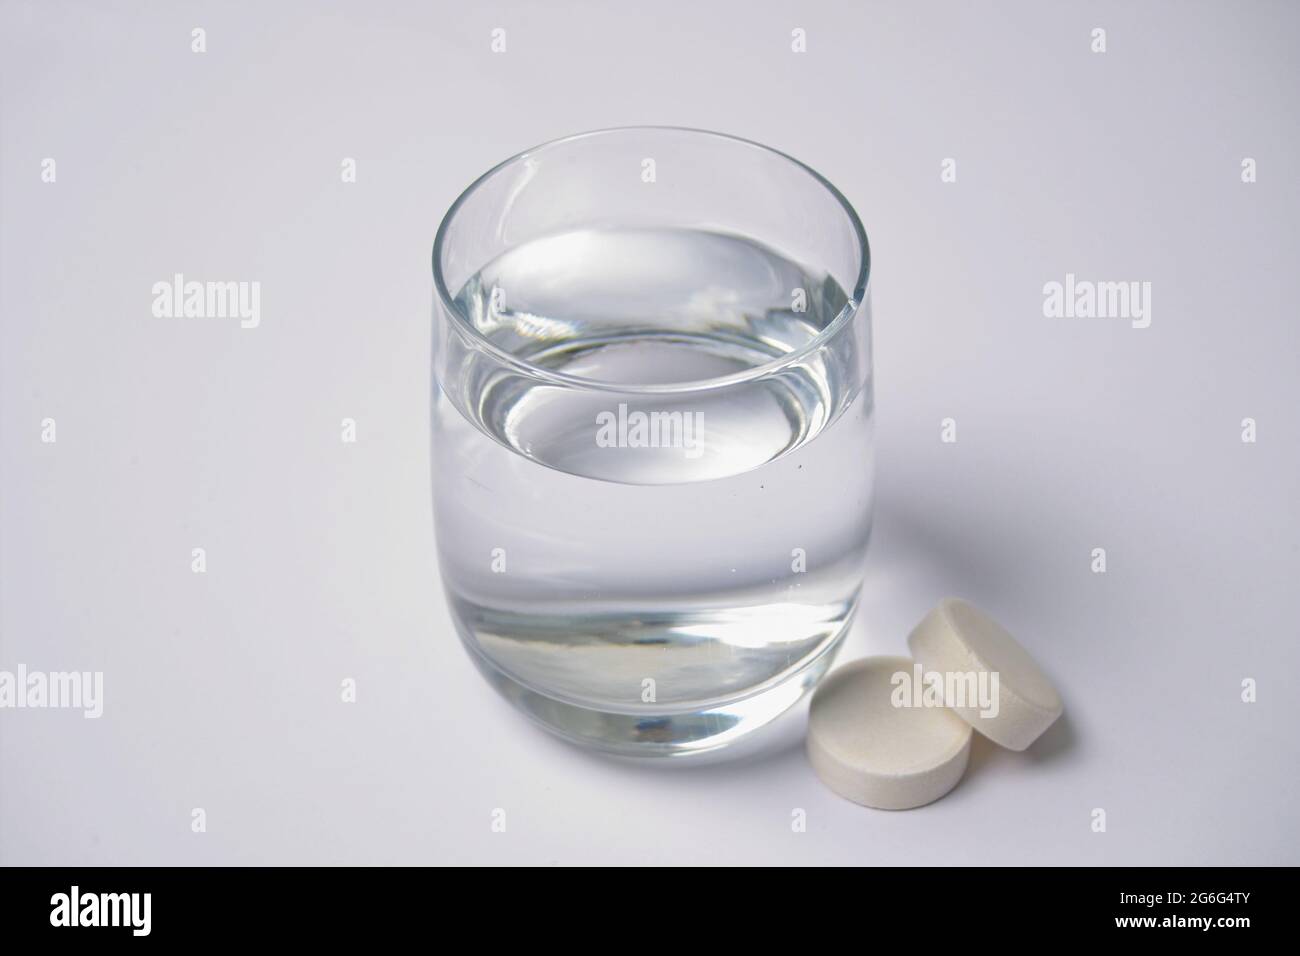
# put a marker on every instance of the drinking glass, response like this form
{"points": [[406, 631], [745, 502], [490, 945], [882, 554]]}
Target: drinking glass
{"points": [[652, 433]]}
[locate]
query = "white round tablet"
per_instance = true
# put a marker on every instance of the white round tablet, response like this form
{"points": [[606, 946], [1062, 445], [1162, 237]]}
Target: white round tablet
{"points": [[988, 678], [875, 753]]}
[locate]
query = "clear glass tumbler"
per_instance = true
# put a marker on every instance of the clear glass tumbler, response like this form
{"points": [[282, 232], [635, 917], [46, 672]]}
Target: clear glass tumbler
{"points": [[652, 433]]}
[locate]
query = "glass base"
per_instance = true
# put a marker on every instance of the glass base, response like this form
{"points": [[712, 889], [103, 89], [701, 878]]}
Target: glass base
{"points": [[653, 733]]}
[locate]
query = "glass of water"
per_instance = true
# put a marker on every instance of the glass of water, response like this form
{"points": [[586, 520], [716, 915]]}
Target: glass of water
{"points": [[652, 433]]}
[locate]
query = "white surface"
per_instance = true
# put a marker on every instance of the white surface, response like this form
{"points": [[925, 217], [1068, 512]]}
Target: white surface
{"points": [[222, 690], [958, 640], [877, 754]]}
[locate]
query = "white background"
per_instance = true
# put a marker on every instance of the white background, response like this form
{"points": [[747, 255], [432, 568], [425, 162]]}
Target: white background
{"points": [[222, 689]]}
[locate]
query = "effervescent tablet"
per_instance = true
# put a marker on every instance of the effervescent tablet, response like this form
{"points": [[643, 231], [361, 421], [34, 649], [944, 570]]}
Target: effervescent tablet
{"points": [[986, 677], [881, 748]]}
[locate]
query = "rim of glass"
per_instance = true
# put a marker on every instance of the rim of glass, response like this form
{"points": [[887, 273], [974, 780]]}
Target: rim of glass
{"points": [[525, 367]]}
